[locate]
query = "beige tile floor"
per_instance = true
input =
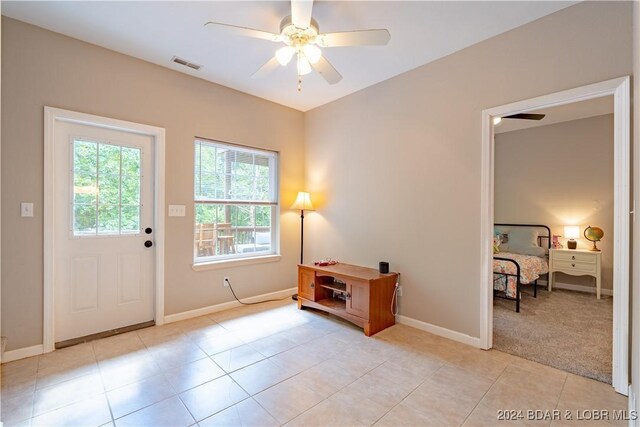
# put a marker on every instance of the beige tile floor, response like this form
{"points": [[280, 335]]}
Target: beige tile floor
{"points": [[272, 364]]}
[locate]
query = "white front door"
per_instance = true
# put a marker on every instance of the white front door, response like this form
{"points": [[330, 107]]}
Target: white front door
{"points": [[103, 236]]}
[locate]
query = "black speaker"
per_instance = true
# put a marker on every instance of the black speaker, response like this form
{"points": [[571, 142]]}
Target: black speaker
{"points": [[384, 267]]}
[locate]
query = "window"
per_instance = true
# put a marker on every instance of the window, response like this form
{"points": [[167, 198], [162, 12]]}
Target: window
{"points": [[106, 189], [236, 201]]}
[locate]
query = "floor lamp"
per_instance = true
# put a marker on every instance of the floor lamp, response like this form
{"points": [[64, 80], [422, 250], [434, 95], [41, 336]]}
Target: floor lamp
{"points": [[302, 203]]}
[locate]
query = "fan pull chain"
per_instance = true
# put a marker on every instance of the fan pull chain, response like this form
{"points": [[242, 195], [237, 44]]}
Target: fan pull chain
{"points": [[299, 83]]}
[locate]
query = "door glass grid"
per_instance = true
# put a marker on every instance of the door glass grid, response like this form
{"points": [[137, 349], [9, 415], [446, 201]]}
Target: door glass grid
{"points": [[106, 189]]}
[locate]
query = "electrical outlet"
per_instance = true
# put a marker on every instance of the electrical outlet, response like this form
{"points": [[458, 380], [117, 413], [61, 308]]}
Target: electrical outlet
{"points": [[225, 282], [399, 291]]}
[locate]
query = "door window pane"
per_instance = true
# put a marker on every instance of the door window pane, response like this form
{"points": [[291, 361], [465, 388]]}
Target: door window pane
{"points": [[106, 189], [108, 219], [130, 219], [84, 219]]}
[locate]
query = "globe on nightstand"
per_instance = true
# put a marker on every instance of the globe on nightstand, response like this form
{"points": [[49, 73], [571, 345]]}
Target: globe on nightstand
{"points": [[593, 234]]}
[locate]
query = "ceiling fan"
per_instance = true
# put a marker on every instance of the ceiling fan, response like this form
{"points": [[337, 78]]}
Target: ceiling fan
{"points": [[521, 116], [301, 37], [525, 116]]}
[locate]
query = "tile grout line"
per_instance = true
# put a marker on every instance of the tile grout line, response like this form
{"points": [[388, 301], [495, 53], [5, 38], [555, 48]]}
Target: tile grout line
{"points": [[33, 415], [328, 397], [95, 358], [249, 395], [564, 383], [226, 374], [349, 341], [409, 394], [485, 393]]}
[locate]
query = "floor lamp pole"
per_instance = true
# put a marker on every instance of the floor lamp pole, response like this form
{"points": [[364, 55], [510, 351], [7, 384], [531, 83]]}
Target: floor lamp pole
{"points": [[295, 296], [301, 236]]}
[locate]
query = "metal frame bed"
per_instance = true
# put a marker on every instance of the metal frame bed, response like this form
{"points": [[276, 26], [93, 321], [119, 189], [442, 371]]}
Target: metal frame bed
{"points": [[505, 276]]}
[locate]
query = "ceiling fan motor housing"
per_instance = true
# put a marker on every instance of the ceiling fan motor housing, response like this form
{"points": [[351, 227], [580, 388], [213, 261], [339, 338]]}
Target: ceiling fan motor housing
{"points": [[298, 36]]}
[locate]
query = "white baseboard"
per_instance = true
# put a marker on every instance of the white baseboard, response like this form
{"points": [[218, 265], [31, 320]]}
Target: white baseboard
{"points": [[577, 288], [22, 353], [227, 305], [439, 330]]}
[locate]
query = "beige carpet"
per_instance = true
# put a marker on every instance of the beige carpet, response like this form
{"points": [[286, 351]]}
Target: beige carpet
{"points": [[568, 330]]}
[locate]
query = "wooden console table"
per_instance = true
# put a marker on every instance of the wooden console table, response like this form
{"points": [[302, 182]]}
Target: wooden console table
{"points": [[358, 294]]}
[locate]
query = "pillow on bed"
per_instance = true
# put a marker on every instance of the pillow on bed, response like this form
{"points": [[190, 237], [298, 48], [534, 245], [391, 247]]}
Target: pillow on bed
{"points": [[524, 242]]}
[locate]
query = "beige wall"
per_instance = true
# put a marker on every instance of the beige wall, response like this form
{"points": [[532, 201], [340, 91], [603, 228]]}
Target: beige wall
{"points": [[43, 68], [396, 167], [557, 175]]}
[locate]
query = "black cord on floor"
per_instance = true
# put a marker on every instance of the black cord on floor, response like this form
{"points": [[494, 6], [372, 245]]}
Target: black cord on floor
{"points": [[252, 303]]}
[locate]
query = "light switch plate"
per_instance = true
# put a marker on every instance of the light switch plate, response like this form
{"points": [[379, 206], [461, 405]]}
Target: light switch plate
{"points": [[26, 209], [177, 210]]}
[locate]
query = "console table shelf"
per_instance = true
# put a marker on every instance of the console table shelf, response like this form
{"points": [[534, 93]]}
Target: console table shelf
{"points": [[338, 287], [367, 294]]}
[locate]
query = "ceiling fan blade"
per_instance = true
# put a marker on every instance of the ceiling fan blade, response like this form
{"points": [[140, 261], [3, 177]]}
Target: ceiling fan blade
{"points": [[525, 116], [267, 68], [242, 31], [301, 13], [354, 38], [326, 70]]}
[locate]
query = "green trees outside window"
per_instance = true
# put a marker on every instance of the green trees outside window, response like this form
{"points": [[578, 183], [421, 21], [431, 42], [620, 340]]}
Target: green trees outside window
{"points": [[106, 189]]}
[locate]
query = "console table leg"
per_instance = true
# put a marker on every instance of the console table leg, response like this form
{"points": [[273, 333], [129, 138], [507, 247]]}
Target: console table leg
{"points": [[367, 329]]}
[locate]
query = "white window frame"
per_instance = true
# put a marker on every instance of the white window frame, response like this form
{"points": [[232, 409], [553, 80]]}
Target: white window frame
{"points": [[216, 261]]}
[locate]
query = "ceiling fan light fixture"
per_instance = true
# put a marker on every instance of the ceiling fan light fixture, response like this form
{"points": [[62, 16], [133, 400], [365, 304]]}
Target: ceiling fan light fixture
{"points": [[301, 35], [284, 55], [312, 53], [304, 67]]}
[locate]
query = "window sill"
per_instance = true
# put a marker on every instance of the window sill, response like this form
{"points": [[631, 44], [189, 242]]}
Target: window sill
{"points": [[230, 263]]}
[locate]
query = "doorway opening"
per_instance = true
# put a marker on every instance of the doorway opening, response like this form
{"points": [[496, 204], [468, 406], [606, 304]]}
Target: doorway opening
{"points": [[619, 90], [554, 169]]}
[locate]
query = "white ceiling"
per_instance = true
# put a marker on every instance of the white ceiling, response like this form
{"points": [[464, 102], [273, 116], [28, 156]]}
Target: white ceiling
{"points": [[421, 32], [562, 113]]}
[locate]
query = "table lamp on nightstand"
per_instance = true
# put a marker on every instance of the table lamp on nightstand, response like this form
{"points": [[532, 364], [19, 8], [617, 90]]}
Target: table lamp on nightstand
{"points": [[571, 232]]}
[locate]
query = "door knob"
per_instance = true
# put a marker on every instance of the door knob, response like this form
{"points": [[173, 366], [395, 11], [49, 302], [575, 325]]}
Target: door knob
{"points": [[148, 230], [148, 243]]}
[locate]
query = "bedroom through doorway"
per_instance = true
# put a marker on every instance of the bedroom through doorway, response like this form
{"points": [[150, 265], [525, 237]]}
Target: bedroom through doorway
{"points": [[553, 179], [570, 231]]}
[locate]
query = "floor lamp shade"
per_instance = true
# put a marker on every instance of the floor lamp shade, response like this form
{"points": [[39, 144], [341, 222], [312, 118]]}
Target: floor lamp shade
{"points": [[303, 202]]}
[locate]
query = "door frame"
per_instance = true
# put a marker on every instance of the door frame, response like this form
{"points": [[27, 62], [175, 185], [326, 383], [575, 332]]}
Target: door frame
{"points": [[53, 116], [620, 89]]}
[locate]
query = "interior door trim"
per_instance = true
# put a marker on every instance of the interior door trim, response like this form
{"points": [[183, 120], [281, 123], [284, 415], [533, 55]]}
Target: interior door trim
{"points": [[53, 116]]}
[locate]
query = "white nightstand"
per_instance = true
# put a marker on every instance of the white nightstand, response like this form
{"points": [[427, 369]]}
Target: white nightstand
{"points": [[577, 262]]}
